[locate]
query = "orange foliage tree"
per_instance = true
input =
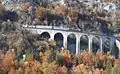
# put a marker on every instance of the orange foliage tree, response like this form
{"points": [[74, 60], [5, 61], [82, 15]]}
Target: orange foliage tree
{"points": [[40, 13], [25, 6], [8, 60], [61, 10]]}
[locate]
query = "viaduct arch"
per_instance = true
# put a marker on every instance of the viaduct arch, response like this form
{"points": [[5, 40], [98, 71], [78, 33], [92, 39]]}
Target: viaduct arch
{"points": [[74, 41]]}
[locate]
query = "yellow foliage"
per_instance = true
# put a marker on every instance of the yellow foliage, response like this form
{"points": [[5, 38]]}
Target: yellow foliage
{"points": [[52, 68], [26, 63], [45, 65], [66, 53], [94, 10]]}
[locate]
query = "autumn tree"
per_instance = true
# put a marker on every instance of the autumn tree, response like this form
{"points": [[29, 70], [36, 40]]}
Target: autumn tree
{"points": [[40, 13], [25, 6], [61, 10]]}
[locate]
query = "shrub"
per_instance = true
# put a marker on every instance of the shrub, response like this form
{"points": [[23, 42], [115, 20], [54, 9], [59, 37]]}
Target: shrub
{"points": [[60, 60]]}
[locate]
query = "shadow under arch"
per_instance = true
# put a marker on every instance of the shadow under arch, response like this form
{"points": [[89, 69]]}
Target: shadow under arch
{"points": [[58, 37], [84, 42], [95, 44], [71, 43], [106, 44], [45, 35]]}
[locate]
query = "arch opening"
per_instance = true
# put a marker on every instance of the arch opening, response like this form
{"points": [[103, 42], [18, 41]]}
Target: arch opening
{"points": [[45, 35], [84, 41], [106, 45], [58, 37], [115, 50], [71, 43], [95, 44]]}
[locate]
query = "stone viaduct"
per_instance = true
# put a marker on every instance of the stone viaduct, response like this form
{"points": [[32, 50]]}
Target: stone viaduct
{"points": [[74, 40]]}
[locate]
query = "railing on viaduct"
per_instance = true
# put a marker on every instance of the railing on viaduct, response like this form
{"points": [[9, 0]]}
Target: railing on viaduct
{"points": [[74, 40]]}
